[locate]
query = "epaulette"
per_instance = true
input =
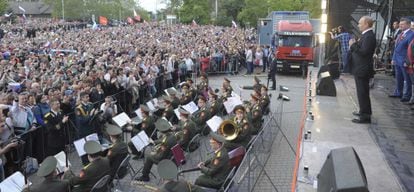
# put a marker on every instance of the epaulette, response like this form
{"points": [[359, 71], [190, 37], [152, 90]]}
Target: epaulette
{"points": [[47, 114], [218, 154]]}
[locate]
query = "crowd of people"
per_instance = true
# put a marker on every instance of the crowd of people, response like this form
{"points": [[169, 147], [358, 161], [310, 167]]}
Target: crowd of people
{"points": [[62, 81]]}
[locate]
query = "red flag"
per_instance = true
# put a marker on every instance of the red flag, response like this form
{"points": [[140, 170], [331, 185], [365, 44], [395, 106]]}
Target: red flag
{"points": [[130, 20], [103, 20]]}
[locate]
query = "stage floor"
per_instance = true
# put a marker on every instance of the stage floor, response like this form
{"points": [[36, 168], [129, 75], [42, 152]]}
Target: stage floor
{"points": [[385, 146]]}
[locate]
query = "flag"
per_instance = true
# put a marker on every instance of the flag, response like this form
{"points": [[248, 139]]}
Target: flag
{"points": [[130, 20], [8, 14], [137, 18], [233, 24], [21, 8], [103, 20], [135, 13], [194, 23]]}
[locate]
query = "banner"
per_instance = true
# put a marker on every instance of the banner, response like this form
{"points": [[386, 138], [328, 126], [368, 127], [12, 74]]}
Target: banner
{"points": [[130, 21]]}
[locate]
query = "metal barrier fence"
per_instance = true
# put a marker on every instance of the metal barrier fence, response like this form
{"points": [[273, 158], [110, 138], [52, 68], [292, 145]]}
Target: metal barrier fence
{"points": [[223, 64], [252, 168]]}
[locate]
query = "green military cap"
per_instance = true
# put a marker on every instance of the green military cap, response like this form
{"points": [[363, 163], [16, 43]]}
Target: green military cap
{"points": [[225, 79], [144, 108], [185, 85], [167, 169], [162, 125], [47, 167], [239, 107], [171, 91], [183, 111], [256, 79], [92, 147], [166, 98], [113, 129], [217, 137]]}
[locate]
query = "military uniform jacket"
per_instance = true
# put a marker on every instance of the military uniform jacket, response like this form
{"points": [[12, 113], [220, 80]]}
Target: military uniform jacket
{"points": [[245, 132], [55, 129], [255, 117], [180, 186], [163, 147], [168, 112], [175, 102], [187, 98], [116, 154], [189, 130], [217, 167], [54, 185], [203, 86], [265, 101], [89, 175], [201, 118], [214, 108], [148, 125], [83, 118]]}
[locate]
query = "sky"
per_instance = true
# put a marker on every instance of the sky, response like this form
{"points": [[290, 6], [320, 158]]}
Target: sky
{"points": [[150, 5]]}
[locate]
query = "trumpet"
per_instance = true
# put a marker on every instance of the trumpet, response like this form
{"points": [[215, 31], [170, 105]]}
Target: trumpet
{"points": [[229, 130]]}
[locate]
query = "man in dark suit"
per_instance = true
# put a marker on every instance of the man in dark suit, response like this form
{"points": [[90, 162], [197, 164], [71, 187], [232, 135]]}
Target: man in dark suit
{"points": [[362, 52], [399, 61], [51, 182]]}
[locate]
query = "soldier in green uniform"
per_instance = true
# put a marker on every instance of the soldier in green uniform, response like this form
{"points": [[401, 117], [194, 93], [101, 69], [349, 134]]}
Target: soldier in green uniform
{"points": [[203, 114], [51, 182], [147, 125], [216, 168], [186, 129], [256, 86], [191, 87], [84, 113], [187, 95], [264, 100], [175, 101], [226, 88], [202, 87], [93, 172], [161, 150], [55, 123], [244, 127], [215, 105], [254, 114], [168, 172], [117, 151], [169, 110]]}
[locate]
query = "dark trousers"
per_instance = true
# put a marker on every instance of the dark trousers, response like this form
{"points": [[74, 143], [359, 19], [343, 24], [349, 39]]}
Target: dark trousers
{"points": [[362, 88]]}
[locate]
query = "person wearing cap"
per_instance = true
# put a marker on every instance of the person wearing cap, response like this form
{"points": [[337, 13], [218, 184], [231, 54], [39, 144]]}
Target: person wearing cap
{"points": [[203, 114], [214, 103], [55, 122], [84, 113], [244, 126], [264, 100], [91, 173], [214, 170], [254, 114], [161, 150], [51, 182], [202, 87], [186, 128], [175, 101], [187, 95], [147, 125], [168, 172], [256, 86], [118, 150], [191, 87], [168, 112]]}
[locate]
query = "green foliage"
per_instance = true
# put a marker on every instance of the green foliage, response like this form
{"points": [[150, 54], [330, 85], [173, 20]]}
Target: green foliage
{"points": [[198, 10], [3, 6]]}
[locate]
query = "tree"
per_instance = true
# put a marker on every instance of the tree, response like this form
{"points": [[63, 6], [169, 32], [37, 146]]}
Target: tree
{"points": [[228, 11], [198, 10], [252, 11], [3, 6]]}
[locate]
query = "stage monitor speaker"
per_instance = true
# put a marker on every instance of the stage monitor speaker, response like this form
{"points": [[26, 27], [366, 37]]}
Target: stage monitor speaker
{"points": [[325, 84], [342, 172]]}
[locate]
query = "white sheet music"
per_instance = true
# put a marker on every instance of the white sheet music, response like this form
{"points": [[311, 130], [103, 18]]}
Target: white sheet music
{"points": [[13, 183], [139, 113], [122, 119], [61, 162], [92, 137], [191, 107], [79, 146], [150, 105], [231, 103], [177, 113], [234, 94], [155, 102], [214, 123], [140, 140]]}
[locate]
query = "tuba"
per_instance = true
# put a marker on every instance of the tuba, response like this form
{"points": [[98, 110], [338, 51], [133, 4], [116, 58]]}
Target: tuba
{"points": [[229, 130]]}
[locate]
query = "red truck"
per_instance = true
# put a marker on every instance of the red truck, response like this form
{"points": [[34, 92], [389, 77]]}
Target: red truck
{"points": [[294, 45]]}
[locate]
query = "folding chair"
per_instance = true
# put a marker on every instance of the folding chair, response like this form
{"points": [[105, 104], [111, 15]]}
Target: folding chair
{"points": [[195, 141], [124, 164], [102, 184], [178, 155]]}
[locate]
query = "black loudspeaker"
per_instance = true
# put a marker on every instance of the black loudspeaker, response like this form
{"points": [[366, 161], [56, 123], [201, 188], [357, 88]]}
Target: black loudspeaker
{"points": [[325, 84], [342, 172]]}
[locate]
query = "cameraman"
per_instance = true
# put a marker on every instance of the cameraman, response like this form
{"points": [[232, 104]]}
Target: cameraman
{"points": [[340, 34], [4, 147]]}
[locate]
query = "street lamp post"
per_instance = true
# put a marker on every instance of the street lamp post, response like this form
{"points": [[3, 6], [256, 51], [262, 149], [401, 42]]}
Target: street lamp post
{"points": [[63, 9]]}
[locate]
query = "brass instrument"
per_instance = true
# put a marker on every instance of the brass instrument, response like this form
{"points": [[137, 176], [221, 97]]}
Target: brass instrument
{"points": [[229, 130]]}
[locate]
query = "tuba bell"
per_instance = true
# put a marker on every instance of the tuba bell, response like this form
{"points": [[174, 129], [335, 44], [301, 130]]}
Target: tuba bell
{"points": [[229, 130]]}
